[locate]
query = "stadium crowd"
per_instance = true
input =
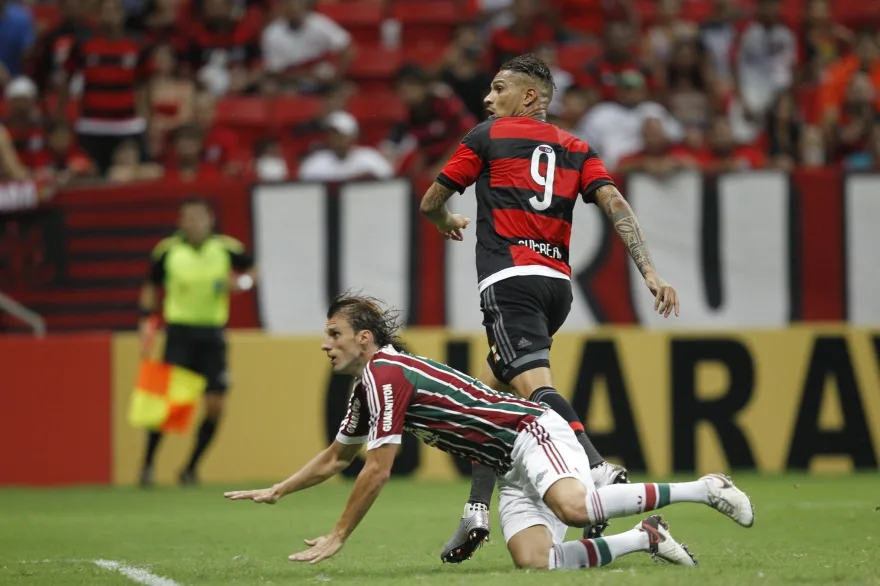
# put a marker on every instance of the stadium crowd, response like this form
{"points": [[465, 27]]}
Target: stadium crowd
{"points": [[127, 90]]}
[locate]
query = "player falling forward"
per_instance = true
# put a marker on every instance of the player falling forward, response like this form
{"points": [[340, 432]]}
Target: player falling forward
{"points": [[543, 474], [528, 176]]}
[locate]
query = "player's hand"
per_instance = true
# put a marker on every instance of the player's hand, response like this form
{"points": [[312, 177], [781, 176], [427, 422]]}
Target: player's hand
{"points": [[320, 548], [262, 495], [452, 227], [665, 295]]}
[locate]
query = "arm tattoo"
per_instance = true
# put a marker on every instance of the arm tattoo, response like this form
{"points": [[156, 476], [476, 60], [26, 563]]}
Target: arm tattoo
{"points": [[627, 226], [433, 205]]}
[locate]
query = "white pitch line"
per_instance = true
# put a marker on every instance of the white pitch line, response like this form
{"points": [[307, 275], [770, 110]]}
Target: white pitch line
{"points": [[139, 575]]}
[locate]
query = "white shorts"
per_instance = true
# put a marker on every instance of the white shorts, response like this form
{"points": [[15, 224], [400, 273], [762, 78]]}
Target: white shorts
{"points": [[545, 451]]}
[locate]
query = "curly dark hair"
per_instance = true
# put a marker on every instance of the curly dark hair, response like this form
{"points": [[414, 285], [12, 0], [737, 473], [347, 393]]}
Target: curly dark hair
{"points": [[368, 313], [534, 68]]}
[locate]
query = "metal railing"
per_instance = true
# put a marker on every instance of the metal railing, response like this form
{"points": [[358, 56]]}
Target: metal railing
{"points": [[22, 313]]}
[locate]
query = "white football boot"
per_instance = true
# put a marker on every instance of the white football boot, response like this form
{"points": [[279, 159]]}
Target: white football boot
{"points": [[661, 543], [725, 498]]}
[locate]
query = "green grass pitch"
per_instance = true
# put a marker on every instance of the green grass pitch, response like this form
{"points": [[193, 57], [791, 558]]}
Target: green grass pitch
{"points": [[808, 530]]}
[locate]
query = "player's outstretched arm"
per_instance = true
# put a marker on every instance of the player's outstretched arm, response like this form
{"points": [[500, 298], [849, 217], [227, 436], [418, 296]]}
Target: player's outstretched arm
{"points": [[609, 199], [369, 483], [434, 209], [328, 463]]}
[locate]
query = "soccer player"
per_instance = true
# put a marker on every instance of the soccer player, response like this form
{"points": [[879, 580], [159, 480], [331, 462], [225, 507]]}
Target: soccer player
{"points": [[544, 476], [198, 270], [529, 175]]}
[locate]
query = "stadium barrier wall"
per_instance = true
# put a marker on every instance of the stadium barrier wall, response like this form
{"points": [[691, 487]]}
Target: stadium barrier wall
{"points": [[795, 399], [55, 425], [762, 249]]}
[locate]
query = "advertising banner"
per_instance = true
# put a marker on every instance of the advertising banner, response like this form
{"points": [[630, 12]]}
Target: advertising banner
{"points": [[660, 402]]}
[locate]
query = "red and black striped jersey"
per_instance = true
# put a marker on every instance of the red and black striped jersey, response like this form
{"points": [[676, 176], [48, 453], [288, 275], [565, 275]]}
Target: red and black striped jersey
{"points": [[112, 70], [239, 45], [528, 176], [29, 141], [441, 406]]}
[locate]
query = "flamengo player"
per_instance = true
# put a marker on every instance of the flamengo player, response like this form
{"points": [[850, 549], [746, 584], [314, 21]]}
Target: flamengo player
{"points": [[543, 474], [529, 175]]}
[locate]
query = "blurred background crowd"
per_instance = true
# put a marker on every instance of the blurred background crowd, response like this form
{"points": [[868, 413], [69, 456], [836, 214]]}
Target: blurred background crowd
{"points": [[128, 90]]}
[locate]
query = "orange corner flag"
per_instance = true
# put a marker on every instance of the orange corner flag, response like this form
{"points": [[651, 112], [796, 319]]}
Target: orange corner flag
{"points": [[165, 397]]}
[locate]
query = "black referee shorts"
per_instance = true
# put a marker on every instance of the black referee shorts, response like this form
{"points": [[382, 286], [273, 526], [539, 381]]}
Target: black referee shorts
{"points": [[200, 349], [521, 314]]}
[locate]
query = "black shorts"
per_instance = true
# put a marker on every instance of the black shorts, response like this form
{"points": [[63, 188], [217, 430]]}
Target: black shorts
{"points": [[521, 314], [200, 349]]}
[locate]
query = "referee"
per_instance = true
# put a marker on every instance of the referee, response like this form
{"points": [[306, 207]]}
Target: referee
{"points": [[198, 270]]}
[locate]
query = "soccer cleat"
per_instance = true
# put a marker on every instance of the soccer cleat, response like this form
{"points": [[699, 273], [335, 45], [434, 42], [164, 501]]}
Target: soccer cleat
{"points": [[661, 543], [472, 531], [146, 478], [187, 478], [605, 474], [725, 498]]}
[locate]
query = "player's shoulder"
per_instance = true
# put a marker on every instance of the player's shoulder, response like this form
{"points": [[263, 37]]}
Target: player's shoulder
{"points": [[482, 131], [164, 245], [229, 243]]}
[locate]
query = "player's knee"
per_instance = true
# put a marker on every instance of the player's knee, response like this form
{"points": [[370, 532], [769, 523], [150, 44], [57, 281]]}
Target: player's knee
{"points": [[531, 559], [567, 498]]}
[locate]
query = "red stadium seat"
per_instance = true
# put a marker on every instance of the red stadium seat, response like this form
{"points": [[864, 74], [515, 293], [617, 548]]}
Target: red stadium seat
{"points": [[423, 55], [374, 63], [575, 57], [362, 19], [377, 106], [287, 111], [242, 111], [427, 22], [857, 14], [697, 10]]}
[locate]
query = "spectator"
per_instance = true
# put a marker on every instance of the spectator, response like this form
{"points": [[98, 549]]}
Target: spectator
{"points": [[658, 157], [161, 23], [662, 38], [223, 50], [717, 39], [617, 59], [463, 70], [23, 124], [724, 155], [835, 84], [188, 161], [614, 129], [784, 131], [343, 160], [437, 122], [220, 145], [113, 106], [526, 32], [128, 166], [848, 130], [270, 164], [688, 84], [765, 60], [53, 51], [172, 97], [822, 41], [11, 168], [17, 35], [812, 147], [305, 51], [576, 101], [869, 158], [562, 78], [63, 158]]}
